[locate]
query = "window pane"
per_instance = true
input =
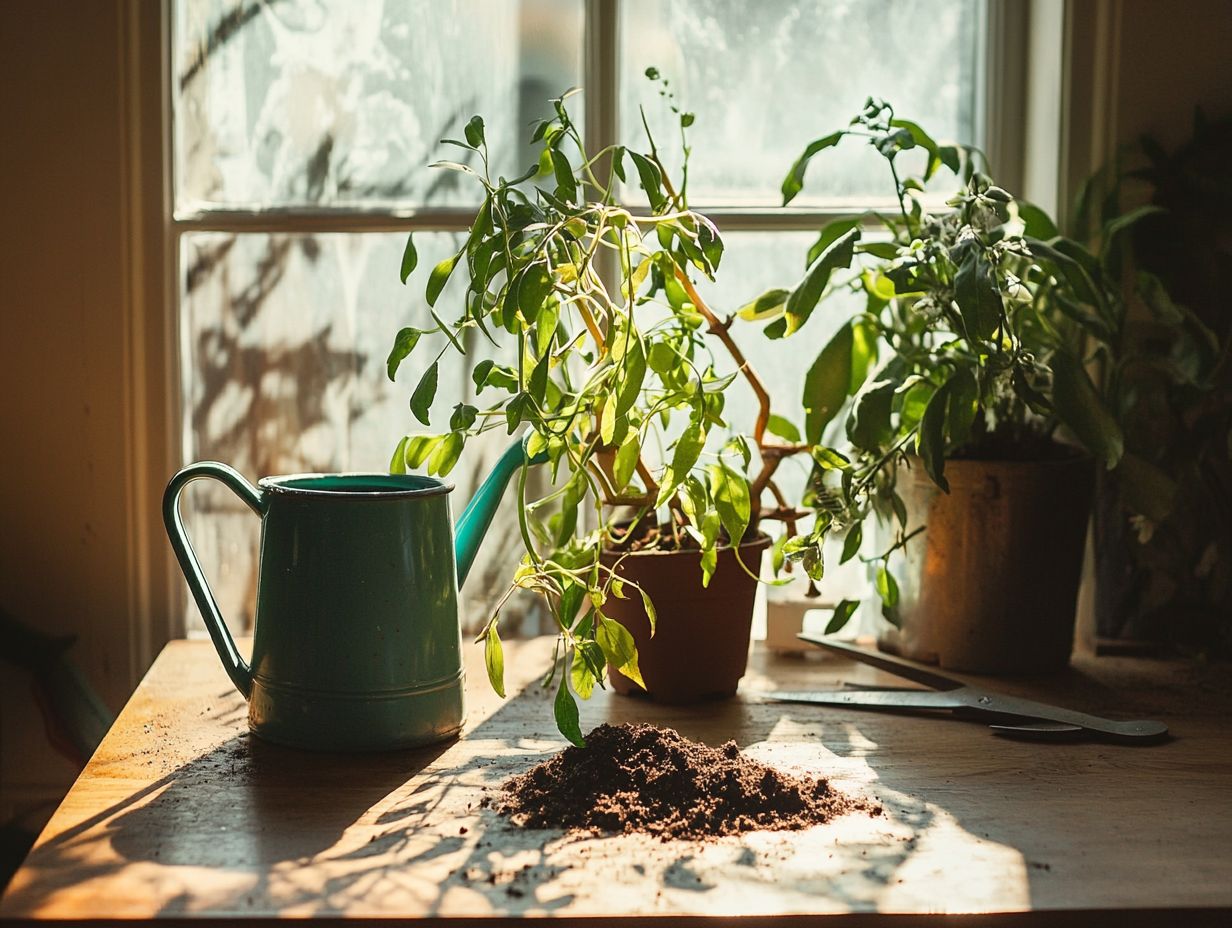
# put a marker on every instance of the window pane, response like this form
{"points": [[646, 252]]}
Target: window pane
{"points": [[343, 103], [285, 339], [766, 78]]}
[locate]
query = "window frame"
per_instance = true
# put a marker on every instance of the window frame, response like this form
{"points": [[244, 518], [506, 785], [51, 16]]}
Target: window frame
{"points": [[1000, 112]]}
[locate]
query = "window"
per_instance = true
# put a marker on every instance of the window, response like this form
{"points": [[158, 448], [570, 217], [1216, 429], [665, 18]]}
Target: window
{"points": [[301, 130]]}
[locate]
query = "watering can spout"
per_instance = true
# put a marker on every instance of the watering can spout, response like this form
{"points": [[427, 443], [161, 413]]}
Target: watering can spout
{"points": [[475, 519]]}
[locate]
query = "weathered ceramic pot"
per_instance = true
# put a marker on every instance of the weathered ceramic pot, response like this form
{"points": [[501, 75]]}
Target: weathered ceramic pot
{"points": [[991, 585]]}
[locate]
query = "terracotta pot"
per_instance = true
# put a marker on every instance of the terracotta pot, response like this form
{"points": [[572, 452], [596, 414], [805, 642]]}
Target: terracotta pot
{"points": [[991, 585], [701, 642]]}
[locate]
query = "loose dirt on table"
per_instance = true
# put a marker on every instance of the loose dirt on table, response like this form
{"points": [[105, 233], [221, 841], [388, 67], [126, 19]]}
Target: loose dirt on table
{"points": [[642, 779]]}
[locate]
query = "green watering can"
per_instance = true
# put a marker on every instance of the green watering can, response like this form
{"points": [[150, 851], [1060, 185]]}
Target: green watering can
{"points": [[357, 644]]}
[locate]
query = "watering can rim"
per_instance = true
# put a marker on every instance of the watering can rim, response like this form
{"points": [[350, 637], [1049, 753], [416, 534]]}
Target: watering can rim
{"points": [[395, 486]]}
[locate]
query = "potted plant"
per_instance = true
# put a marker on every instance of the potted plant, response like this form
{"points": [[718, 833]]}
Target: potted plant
{"points": [[647, 548], [947, 394], [1163, 519]]}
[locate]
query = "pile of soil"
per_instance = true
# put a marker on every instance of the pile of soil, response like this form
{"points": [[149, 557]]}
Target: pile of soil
{"points": [[639, 778]]}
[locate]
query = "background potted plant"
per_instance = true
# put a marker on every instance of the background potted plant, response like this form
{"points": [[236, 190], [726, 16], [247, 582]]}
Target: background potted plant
{"points": [[1163, 519], [947, 394], [656, 500]]}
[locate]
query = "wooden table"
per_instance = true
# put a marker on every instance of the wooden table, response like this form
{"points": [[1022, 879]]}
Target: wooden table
{"points": [[182, 814]]}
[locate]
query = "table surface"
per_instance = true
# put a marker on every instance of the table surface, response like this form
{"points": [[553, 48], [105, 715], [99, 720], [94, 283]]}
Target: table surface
{"points": [[181, 813]]}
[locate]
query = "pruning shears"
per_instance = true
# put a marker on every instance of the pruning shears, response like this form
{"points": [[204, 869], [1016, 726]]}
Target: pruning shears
{"points": [[1010, 716]]}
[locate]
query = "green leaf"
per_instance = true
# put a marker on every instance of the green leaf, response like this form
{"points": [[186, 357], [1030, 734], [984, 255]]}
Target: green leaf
{"points": [[404, 344], [566, 712], [446, 454], [517, 410], [803, 299], [534, 285], [930, 441], [829, 235], [652, 180], [566, 186], [488, 373], [829, 459], [619, 648], [688, 449], [826, 384], [869, 427], [494, 659], [439, 277], [842, 615], [793, 183], [410, 257], [537, 385], [626, 460], [632, 363], [887, 588], [781, 427], [425, 393], [1146, 489], [976, 291], [474, 137], [1079, 405], [851, 544], [651, 615], [417, 449], [397, 464], [463, 417], [730, 492], [1035, 222], [607, 422], [766, 306], [587, 667], [963, 404]]}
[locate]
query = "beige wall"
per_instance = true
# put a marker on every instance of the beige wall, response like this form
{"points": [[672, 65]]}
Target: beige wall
{"points": [[67, 528], [1173, 54], [82, 375]]}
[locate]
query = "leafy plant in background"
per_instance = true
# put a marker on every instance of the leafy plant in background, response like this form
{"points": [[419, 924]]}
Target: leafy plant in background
{"points": [[972, 341], [613, 376], [1164, 524]]}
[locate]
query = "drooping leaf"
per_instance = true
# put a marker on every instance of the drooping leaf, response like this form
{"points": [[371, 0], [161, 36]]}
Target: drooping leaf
{"points": [[777, 425], [410, 257], [404, 344], [793, 183], [963, 403], [626, 460], [826, 384], [425, 393], [851, 544], [976, 291], [1035, 222], [619, 648], [829, 235], [1079, 405], [494, 659], [869, 426], [397, 464], [688, 449], [587, 668], [803, 300], [842, 615], [766, 306], [534, 285], [652, 180], [887, 587], [652, 615], [438, 278], [730, 492], [566, 712], [930, 441], [446, 455]]}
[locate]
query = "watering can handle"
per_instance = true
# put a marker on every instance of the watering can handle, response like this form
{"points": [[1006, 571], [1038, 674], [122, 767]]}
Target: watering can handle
{"points": [[237, 669], [477, 516]]}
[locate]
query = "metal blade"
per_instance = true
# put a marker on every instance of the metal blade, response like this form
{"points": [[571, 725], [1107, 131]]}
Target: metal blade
{"points": [[874, 699], [894, 665]]}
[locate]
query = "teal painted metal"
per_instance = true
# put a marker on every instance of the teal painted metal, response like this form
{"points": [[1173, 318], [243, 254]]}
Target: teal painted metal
{"points": [[357, 642]]}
